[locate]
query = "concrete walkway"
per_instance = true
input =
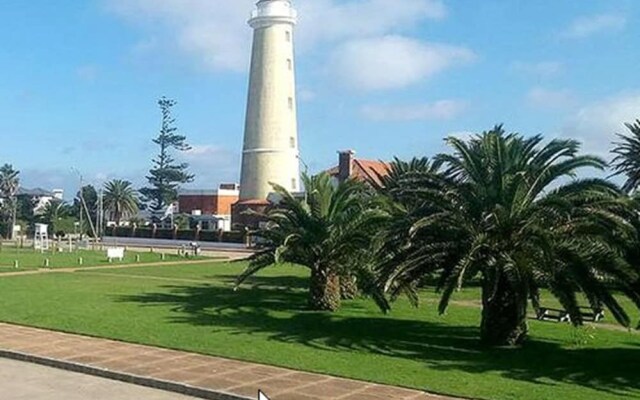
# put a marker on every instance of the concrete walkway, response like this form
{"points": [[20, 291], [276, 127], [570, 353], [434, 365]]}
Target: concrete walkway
{"points": [[186, 373], [28, 381]]}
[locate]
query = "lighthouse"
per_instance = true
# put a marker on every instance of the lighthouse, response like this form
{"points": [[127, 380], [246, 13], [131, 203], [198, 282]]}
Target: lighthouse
{"points": [[270, 149]]}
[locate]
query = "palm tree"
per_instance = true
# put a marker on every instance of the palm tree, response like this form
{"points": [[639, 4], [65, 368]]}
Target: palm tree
{"points": [[324, 232], [120, 199], [9, 184], [53, 212], [627, 159], [501, 210]]}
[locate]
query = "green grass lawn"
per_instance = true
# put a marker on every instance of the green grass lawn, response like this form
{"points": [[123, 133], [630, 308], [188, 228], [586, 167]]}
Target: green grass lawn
{"points": [[194, 308], [29, 259]]}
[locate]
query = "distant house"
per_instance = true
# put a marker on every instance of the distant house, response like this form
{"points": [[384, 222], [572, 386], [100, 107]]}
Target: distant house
{"points": [[357, 168], [41, 197]]}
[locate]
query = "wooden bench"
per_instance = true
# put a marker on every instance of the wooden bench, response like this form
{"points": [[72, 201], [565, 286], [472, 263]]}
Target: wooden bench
{"points": [[591, 315], [115, 253], [553, 314], [559, 315]]}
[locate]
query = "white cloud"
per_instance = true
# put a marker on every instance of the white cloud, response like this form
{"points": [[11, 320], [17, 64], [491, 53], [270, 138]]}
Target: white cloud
{"points": [[88, 72], [214, 33], [306, 95], [543, 98], [463, 135], [590, 25], [334, 20], [597, 124], [200, 151], [392, 61], [542, 69], [211, 165], [440, 110]]}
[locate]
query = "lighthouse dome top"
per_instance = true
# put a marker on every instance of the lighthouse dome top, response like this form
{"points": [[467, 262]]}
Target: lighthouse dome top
{"points": [[269, 12]]}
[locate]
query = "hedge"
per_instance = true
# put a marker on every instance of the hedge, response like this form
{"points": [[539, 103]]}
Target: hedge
{"points": [[180, 234]]}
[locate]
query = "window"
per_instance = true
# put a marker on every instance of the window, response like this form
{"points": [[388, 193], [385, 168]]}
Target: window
{"points": [[289, 64], [288, 35], [290, 103], [292, 142], [294, 183]]}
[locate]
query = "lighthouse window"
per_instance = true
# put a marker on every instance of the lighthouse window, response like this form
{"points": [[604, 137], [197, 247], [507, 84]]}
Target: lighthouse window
{"points": [[292, 142], [289, 64], [294, 183], [288, 36], [290, 103]]}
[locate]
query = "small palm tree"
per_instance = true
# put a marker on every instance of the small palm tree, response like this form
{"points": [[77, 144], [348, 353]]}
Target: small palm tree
{"points": [[627, 157], [52, 212], [324, 231], [499, 210], [120, 199]]}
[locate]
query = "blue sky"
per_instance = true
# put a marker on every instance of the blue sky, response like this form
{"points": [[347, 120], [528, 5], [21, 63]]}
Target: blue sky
{"points": [[79, 80]]}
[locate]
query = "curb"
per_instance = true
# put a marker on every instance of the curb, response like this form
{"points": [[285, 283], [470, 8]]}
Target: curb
{"points": [[168, 386]]}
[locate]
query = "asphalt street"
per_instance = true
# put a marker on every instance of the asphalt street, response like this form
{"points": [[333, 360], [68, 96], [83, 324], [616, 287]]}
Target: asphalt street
{"points": [[26, 381]]}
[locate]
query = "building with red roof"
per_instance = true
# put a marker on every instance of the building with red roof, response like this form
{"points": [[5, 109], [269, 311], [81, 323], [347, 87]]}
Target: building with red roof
{"points": [[356, 168]]}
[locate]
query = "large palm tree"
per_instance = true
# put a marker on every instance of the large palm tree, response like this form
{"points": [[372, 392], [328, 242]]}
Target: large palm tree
{"points": [[120, 199], [627, 157], [508, 211], [324, 231], [9, 184]]}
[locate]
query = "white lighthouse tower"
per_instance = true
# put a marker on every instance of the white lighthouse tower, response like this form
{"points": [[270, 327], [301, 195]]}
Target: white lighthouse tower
{"points": [[270, 151]]}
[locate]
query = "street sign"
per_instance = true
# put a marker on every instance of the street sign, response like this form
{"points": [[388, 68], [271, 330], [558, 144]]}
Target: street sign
{"points": [[262, 396]]}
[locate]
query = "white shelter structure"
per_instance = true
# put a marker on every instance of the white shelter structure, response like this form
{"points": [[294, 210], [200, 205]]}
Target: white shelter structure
{"points": [[41, 237], [270, 151]]}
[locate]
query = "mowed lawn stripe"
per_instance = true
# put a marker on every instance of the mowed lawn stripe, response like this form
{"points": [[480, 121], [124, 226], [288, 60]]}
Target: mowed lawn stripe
{"points": [[194, 308]]}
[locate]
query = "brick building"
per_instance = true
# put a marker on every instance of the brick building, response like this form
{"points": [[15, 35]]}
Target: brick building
{"points": [[209, 207]]}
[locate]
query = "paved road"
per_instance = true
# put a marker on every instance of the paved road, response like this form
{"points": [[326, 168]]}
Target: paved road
{"points": [[173, 243], [26, 381]]}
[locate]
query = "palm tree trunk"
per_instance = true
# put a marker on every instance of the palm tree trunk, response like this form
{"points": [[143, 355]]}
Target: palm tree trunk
{"points": [[324, 290], [348, 287], [504, 314]]}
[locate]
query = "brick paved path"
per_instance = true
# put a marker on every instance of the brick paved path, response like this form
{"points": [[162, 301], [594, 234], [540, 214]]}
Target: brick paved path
{"points": [[187, 373]]}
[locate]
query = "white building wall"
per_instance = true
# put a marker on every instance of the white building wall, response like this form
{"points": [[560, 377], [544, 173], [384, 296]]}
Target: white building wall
{"points": [[270, 150]]}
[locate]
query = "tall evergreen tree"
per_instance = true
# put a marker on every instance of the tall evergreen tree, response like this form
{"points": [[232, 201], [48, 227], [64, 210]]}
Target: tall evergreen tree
{"points": [[166, 174], [9, 184]]}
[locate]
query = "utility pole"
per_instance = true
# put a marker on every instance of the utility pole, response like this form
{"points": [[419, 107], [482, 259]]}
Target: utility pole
{"points": [[80, 209], [83, 207], [100, 214], [14, 199]]}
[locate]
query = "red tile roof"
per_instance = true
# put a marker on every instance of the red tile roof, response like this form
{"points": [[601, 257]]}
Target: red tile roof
{"points": [[364, 170]]}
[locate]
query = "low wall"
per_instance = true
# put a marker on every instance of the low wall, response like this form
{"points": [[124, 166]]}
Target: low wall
{"points": [[177, 234]]}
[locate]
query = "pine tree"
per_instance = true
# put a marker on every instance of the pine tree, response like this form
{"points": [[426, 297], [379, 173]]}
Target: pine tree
{"points": [[166, 174], [9, 184]]}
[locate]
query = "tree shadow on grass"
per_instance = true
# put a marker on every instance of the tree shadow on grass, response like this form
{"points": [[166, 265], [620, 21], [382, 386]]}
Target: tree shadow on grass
{"points": [[280, 314], [268, 282]]}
